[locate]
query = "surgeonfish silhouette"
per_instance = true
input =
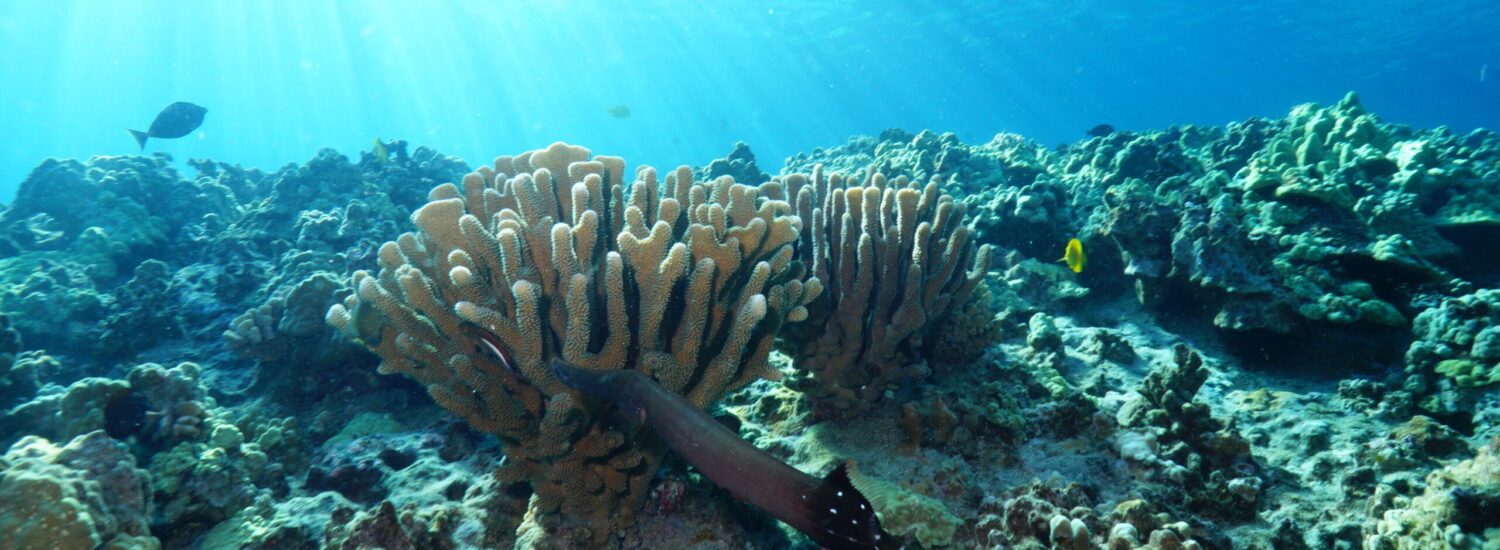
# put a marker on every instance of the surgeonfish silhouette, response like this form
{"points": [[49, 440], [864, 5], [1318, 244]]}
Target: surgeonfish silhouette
{"points": [[1101, 130], [619, 111], [177, 120], [1073, 256], [125, 414]]}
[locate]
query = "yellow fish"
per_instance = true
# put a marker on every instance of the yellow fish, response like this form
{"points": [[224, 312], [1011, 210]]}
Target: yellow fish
{"points": [[1073, 256], [619, 111], [381, 154]]}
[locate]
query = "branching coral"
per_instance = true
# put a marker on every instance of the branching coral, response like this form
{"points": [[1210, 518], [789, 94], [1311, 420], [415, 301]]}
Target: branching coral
{"points": [[1205, 456], [896, 257], [555, 254]]}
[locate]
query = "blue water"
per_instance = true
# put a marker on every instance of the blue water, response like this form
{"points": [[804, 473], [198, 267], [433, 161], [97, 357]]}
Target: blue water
{"points": [[476, 79]]}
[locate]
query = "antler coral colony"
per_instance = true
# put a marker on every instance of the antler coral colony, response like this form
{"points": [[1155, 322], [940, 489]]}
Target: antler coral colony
{"points": [[896, 257], [556, 256]]}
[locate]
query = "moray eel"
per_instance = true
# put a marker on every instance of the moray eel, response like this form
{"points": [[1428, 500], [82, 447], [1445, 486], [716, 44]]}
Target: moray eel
{"points": [[830, 511]]}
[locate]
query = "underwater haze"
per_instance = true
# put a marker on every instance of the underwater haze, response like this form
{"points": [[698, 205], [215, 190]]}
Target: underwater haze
{"points": [[719, 275], [283, 79]]}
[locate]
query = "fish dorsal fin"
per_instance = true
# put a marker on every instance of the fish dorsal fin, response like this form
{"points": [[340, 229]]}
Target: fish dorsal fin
{"points": [[882, 497]]}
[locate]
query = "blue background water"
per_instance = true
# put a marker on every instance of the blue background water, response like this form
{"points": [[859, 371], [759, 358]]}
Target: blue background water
{"points": [[476, 79]]}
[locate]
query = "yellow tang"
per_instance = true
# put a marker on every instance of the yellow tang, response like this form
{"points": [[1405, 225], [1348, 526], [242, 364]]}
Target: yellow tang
{"points": [[1073, 256]]}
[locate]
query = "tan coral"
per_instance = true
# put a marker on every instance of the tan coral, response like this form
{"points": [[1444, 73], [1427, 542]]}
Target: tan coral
{"points": [[558, 255], [896, 257]]}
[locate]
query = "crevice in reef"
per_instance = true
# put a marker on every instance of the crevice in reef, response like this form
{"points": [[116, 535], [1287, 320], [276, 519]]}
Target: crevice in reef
{"points": [[1320, 350], [1480, 244]]}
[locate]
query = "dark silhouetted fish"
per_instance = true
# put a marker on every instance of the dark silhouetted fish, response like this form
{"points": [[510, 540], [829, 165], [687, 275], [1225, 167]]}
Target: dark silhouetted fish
{"points": [[125, 414], [619, 111], [177, 120], [1101, 130]]}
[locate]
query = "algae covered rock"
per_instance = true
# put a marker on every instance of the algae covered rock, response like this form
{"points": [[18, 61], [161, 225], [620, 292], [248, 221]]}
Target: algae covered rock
{"points": [[1458, 509]]}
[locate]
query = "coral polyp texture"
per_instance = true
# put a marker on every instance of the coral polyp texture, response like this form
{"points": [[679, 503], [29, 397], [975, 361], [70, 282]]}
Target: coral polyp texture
{"points": [[558, 255], [897, 258]]}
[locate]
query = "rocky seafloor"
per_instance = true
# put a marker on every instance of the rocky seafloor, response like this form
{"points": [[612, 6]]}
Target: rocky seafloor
{"points": [[1286, 335]]}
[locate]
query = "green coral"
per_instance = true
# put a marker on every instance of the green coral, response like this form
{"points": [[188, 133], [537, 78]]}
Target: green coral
{"points": [[1467, 373], [60, 414], [207, 480]]}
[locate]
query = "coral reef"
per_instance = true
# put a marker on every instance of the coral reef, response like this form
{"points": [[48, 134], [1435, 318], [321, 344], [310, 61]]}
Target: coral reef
{"points": [[920, 157], [1284, 337], [1327, 225], [1042, 515], [18, 378], [969, 328], [739, 164]]}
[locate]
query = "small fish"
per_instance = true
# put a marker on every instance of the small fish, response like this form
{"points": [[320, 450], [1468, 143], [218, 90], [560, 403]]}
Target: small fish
{"points": [[1073, 256], [177, 120], [367, 323], [381, 154], [619, 111], [489, 346], [1101, 130]]}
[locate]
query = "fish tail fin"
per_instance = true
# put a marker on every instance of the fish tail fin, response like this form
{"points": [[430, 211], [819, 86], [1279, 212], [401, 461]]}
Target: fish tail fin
{"points": [[140, 137]]}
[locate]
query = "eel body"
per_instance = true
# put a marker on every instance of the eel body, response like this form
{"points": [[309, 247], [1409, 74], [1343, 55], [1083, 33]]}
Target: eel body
{"points": [[829, 511]]}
